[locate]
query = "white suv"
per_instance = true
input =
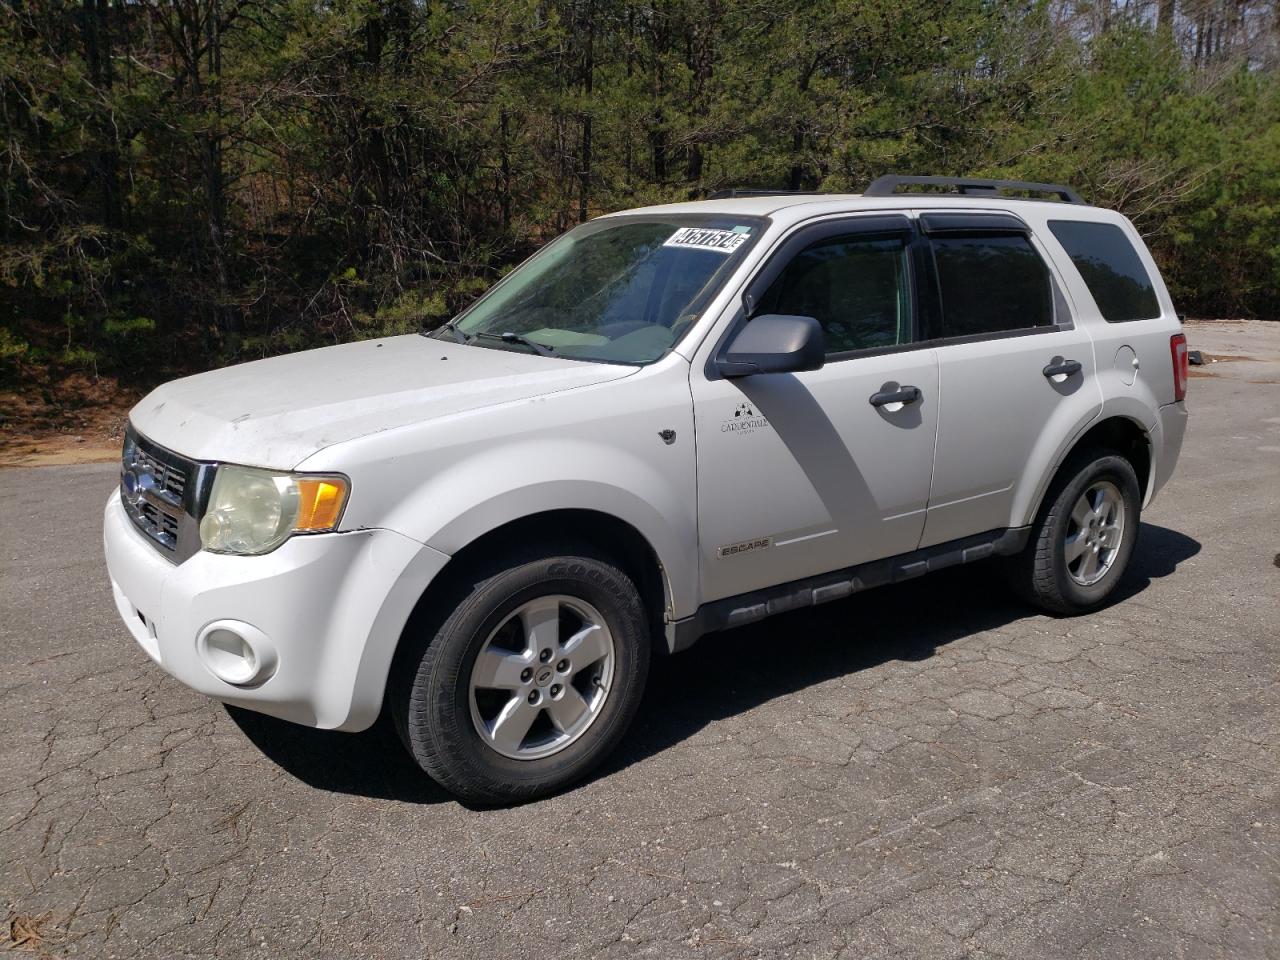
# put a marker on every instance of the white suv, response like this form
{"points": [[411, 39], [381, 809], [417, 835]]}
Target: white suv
{"points": [[669, 421]]}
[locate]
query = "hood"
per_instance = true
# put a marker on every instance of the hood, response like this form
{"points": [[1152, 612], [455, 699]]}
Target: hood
{"points": [[277, 412]]}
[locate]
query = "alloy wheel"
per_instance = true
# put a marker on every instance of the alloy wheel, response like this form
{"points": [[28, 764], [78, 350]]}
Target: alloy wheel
{"points": [[1094, 533], [542, 677]]}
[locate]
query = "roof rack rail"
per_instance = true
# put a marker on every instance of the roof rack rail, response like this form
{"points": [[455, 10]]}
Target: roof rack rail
{"points": [[736, 192], [887, 186]]}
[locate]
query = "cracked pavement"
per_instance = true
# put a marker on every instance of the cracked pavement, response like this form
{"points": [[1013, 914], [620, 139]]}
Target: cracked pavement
{"points": [[926, 770]]}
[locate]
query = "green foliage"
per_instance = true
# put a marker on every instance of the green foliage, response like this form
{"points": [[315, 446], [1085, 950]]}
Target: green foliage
{"points": [[12, 348], [197, 182], [77, 356], [124, 326]]}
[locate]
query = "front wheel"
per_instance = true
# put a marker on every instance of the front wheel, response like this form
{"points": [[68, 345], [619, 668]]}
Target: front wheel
{"points": [[530, 681], [1083, 536]]}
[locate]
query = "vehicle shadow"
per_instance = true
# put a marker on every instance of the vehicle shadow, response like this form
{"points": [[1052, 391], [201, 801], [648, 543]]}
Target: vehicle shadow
{"points": [[728, 672], [372, 763]]}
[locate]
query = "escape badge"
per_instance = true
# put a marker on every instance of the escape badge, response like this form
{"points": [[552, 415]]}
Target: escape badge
{"points": [[746, 546]]}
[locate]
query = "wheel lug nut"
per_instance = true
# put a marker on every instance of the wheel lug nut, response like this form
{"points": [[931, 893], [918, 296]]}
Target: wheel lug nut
{"points": [[534, 696], [526, 675], [545, 655], [555, 689], [562, 666]]}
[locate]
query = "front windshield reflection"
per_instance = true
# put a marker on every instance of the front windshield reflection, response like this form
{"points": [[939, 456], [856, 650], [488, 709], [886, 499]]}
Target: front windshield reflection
{"points": [[620, 290]]}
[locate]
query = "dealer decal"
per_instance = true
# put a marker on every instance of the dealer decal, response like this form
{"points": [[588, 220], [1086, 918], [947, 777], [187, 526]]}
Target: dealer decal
{"points": [[698, 238], [744, 420]]}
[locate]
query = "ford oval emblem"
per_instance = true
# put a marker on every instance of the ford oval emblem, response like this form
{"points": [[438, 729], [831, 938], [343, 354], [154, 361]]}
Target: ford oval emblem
{"points": [[135, 483]]}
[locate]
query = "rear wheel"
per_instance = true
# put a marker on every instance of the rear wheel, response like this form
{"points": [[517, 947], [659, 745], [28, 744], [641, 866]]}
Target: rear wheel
{"points": [[530, 681], [1084, 535]]}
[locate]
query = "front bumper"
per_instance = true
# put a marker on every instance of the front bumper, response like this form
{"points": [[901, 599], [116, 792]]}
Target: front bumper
{"points": [[331, 607]]}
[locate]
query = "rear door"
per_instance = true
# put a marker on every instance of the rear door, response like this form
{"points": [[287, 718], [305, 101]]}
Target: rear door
{"points": [[1016, 374], [800, 474]]}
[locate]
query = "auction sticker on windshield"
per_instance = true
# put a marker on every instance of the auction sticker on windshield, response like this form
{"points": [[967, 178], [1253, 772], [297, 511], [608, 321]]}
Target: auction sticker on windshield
{"points": [[700, 238]]}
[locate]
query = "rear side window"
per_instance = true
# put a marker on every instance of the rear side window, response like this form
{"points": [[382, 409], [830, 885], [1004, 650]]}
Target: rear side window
{"points": [[856, 288], [1111, 269], [990, 283]]}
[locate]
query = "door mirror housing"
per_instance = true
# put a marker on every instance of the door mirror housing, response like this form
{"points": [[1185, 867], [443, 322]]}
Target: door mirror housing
{"points": [[774, 343]]}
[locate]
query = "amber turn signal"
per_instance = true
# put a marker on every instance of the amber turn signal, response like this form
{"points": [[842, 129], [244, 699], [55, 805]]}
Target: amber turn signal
{"points": [[320, 502]]}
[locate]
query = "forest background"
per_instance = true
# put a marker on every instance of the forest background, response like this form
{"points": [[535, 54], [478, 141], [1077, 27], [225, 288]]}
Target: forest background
{"points": [[192, 183]]}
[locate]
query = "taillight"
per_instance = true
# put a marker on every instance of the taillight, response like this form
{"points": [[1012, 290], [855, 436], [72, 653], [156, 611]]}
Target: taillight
{"points": [[1181, 371]]}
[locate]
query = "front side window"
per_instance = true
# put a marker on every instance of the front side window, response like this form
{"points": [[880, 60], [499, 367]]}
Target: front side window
{"points": [[855, 287], [1111, 269], [990, 283], [620, 290]]}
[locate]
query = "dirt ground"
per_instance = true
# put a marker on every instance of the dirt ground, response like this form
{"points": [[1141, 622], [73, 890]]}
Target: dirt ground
{"points": [[1241, 349], [71, 419]]}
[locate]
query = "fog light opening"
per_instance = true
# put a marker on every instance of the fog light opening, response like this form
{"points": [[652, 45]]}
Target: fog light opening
{"points": [[236, 653]]}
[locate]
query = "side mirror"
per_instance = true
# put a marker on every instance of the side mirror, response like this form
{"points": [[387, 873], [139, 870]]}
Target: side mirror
{"points": [[774, 343]]}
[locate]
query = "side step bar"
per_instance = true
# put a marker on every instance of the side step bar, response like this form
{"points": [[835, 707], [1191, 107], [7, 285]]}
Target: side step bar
{"points": [[823, 588]]}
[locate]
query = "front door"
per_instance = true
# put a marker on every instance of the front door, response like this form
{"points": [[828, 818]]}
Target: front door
{"points": [[800, 474]]}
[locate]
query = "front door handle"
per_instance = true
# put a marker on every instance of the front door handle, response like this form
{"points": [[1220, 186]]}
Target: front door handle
{"points": [[904, 394], [1062, 368]]}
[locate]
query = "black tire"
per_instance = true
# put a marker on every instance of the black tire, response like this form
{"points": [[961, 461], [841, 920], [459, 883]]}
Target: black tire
{"points": [[431, 689], [1040, 572]]}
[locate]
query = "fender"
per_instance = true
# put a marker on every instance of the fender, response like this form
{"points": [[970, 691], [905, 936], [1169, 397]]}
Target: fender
{"points": [[370, 680], [472, 518], [447, 482], [1139, 403], [492, 485], [1035, 480], [471, 488]]}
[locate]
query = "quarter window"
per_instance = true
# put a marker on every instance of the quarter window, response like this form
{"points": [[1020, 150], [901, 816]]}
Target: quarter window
{"points": [[1111, 269], [855, 287], [990, 283]]}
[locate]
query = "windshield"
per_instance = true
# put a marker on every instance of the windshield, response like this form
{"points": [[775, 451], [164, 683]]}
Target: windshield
{"points": [[620, 290]]}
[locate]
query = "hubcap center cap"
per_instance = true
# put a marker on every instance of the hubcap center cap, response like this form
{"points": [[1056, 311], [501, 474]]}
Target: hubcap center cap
{"points": [[543, 676]]}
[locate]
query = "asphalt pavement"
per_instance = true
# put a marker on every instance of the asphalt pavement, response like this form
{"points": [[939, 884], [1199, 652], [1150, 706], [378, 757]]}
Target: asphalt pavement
{"points": [[929, 770]]}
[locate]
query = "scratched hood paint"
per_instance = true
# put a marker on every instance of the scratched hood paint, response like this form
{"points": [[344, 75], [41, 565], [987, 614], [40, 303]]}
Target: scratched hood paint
{"points": [[277, 412]]}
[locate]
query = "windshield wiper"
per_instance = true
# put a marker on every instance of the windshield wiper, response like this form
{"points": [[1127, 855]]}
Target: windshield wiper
{"points": [[445, 328], [508, 337], [454, 332]]}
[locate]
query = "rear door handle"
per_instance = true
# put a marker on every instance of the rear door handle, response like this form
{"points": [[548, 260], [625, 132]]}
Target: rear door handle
{"points": [[904, 394], [1063, 368]]}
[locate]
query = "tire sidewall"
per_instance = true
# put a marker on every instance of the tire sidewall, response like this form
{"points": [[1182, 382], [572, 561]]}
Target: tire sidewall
{"points": [[1118, 470], [442, 715]]}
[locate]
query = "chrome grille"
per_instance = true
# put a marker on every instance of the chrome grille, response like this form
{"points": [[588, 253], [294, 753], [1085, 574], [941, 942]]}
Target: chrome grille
{"points": [[171, 479], [156, 488], [162, 526]]}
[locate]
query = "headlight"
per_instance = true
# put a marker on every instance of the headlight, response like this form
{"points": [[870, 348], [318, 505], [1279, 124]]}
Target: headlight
{"points": [[254, 511]]}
